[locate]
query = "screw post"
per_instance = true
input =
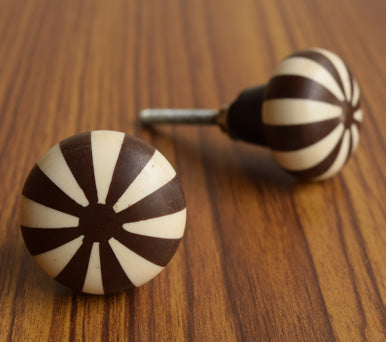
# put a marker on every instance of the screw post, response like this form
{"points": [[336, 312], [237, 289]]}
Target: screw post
{"points": [[179, 116]]}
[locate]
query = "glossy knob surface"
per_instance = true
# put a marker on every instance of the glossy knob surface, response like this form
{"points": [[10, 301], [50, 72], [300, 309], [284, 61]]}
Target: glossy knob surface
{"points": [[102, 212], [311, 114]]}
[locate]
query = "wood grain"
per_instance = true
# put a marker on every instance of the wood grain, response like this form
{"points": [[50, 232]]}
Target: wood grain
{"points": [[264, 257]]}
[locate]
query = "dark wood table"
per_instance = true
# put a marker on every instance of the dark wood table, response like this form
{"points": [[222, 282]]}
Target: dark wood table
{"points": [[264, 257]]}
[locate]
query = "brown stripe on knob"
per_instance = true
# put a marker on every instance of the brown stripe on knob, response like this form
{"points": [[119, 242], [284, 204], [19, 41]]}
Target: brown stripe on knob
{"points": [[294, 137], [322, 167], [39, 188], [290, 86], [323, 61], [40, 240], [74, 274], [132, 158], [157, 250], [77, 152], [166, 200], [114, 278], [351, 80], [349, 147]]}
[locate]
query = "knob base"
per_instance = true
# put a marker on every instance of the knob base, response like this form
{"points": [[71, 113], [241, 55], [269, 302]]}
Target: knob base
{"points": [[244, 116]]}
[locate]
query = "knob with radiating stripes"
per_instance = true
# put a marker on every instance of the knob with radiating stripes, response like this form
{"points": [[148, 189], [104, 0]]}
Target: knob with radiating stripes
{"points": [[311, 114], [102, 212], [308, 114]]}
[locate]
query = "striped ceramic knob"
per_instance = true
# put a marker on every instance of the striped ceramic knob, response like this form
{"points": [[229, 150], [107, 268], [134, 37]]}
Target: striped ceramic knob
{"points": [[308, 114], [311, 114], [102, 212]]}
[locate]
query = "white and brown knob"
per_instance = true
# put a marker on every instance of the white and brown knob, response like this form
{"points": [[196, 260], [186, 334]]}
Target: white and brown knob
{"points": [[102, 212], [311, 114], [308, 114]]}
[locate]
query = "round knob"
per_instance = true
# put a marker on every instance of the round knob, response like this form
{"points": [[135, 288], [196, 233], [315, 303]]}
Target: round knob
{"points": [[311, 114], [102, 212], [308, 114]]}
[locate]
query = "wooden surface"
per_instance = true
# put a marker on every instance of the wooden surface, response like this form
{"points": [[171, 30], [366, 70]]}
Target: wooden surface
{"points": [[264, 257]]}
